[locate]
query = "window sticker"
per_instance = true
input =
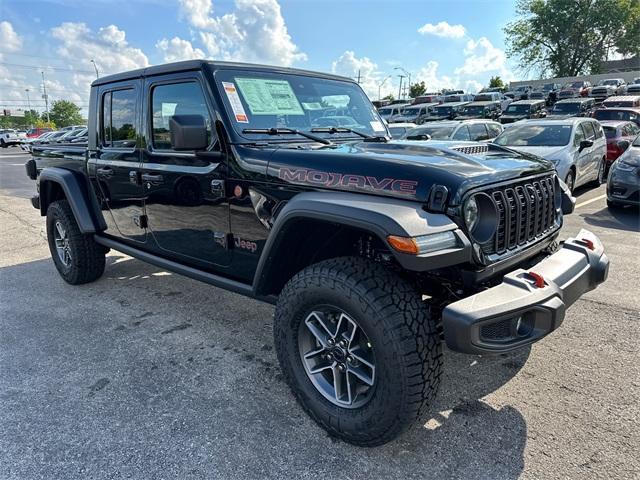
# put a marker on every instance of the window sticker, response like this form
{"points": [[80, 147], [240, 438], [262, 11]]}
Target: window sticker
{"points": [[269, 97], [236, 103]]}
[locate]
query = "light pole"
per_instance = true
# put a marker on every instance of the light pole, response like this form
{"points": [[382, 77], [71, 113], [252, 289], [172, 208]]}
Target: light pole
{"points": [[28, 104], [408, 78], [46, 97], [381, 84], [400, 87], [95, 67]]}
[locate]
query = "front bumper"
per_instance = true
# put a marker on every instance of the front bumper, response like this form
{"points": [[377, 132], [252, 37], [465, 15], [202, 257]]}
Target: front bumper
{"points": [[522, 310], [623, 188]]}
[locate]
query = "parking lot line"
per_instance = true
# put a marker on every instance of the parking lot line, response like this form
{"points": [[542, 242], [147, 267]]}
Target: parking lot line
{"points": [[591, 201]]}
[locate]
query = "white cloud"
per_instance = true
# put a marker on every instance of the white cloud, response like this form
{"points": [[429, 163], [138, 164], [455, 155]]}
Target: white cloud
{"points": [[178, 49], [443, 29], [481, 56], [429, 75], [10, 41], [108, 47], [254, 31], [349, 65]]}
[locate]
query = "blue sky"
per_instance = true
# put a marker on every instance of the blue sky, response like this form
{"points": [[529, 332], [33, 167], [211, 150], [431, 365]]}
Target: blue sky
{"points": [[451, 43]]}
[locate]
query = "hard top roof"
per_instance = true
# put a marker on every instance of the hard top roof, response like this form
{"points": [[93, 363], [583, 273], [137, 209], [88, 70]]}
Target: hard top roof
{"points": [[199, 64]]}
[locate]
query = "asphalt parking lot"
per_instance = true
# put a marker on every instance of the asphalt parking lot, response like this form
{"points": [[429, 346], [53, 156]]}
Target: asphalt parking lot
{"points": [[146, 374]]}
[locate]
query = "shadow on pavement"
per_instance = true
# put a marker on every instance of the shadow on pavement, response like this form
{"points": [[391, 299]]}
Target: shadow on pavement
{"points": [[150, 375], [627, 218]]}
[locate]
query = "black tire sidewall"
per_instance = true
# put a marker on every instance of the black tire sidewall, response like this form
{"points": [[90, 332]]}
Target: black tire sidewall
{"points": [[55, 214]]}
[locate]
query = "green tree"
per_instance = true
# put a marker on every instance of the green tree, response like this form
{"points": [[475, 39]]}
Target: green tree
{"points": [[566, 38], [496, 82], [31, 117], [389, 97], [417, 89], [64, 113]]}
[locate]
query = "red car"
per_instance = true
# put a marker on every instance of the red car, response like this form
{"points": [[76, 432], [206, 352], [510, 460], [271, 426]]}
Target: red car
{"points": [[36, 132], [620, 134], [579, 88]]}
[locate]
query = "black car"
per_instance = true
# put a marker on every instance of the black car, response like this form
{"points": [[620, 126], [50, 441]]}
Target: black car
{"points": [[573, 107], [490, 110], [523, 109], [223, 173]]}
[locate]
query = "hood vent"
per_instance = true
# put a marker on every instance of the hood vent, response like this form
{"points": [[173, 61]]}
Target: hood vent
{"points": [[471, 149]]}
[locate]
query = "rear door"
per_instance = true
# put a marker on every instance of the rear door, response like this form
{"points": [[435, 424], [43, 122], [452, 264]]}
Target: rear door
{"points": [[185, 193], [584, 157], [114, 163]]}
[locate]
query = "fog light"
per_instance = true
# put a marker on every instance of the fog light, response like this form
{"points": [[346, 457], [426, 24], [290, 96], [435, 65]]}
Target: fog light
{"points": [[523, 326]]}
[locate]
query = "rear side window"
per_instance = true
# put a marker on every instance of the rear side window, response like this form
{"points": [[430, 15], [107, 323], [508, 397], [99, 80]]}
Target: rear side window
{"points": [[172, 99], [478, 131], [610, 132], [462, 133], [494, 130], [588, 130], [119, 119], [598, 129]]}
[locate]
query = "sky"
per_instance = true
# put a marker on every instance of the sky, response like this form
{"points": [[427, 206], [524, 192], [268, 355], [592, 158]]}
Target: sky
{"points": [[446, 44]]}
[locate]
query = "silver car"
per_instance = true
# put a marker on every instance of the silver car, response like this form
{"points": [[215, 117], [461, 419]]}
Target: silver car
{"points": [[458, 130], [577, 147], [623, 184]]}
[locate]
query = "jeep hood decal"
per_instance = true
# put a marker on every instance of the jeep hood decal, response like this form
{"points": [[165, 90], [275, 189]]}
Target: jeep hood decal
{"points": [[402, 169]]}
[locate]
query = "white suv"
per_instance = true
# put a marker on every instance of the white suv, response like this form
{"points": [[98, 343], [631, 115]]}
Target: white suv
{"points": [[9, 137]]}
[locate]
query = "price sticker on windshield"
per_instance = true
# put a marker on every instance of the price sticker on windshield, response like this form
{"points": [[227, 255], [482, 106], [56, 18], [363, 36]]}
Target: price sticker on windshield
{"points": [[235, 102]]}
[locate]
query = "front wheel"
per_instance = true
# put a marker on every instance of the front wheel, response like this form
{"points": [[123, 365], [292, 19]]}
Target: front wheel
{"points": [[77, 257], [358, 348], [570, 180]]}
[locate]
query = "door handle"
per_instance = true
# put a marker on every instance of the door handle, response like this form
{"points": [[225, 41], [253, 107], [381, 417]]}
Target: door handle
{"points": [[155, 179], [105, 172]]}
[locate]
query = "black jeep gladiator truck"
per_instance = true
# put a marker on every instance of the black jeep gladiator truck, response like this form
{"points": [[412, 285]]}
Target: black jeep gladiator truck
{"points": [[375, 252]]}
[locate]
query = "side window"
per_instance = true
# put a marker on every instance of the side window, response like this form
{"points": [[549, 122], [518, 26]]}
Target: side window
{"points": [[119, 118], [579, 136], [494, 130], [633, 129], [590, 134], [598, 129], [462, 133], [478, 131], [168, 100]]}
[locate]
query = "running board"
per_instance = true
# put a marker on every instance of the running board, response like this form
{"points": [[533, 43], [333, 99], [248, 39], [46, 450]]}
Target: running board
{"points": [[210, 278]]}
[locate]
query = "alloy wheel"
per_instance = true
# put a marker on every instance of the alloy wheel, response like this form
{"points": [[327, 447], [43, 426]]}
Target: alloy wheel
{"points": [[337, 357], [62, 244]]}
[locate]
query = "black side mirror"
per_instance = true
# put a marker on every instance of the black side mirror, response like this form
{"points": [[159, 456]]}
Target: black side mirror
{"points": [[585, 144], [188, 132]]}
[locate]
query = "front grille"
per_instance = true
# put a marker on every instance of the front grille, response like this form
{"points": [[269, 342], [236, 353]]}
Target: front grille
{"points": [[526, 212], [472, 149]]}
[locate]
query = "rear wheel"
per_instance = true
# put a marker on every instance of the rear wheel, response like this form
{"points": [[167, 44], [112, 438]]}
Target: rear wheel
{"points": [[77, 257], [358, 349]]}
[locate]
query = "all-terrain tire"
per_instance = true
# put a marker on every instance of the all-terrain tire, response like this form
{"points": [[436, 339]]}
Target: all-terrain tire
{"points": [[86, 259], [405, 342]]}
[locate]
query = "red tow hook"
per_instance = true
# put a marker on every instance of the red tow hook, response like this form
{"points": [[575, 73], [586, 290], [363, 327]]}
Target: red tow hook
{"points": [[588, 243], [538, 279]]}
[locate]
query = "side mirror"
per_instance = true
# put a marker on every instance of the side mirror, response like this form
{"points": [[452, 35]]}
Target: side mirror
{"points": [[585, 144], [188, 132]]}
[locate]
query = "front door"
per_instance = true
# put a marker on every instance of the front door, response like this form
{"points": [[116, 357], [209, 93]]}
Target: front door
{"points": [[185, 193], [114, 164]]}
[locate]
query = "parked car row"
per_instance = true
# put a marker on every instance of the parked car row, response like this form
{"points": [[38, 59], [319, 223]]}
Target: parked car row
{"points": [[73, 134]]}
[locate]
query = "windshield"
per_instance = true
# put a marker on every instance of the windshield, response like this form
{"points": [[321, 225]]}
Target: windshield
{"points": [[609, 82], [263, 100], [518, 109], [410, 111], [435, 132], [548, 86], [612, 115], [474, 110], [483, 98], [535, 136], [443, 110], [566, 108], [575, 85]]}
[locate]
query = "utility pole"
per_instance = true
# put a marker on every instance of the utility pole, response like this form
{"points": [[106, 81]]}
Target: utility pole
{"points": [[400, 87], [45, 96], [98, 76], [381, 84], [408, 74], [28, 104]]}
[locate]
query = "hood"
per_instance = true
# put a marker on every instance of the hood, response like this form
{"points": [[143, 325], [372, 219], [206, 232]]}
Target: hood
{"points": [[402, 169], [559, 116], [512, 118]]}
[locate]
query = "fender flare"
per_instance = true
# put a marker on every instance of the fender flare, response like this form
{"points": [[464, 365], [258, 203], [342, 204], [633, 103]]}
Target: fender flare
{"points": [[77, 192], [381, 216]]}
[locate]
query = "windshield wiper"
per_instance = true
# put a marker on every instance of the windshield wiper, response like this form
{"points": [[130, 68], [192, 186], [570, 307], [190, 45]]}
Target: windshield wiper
{"points": [[287, 131], [349, 130]]}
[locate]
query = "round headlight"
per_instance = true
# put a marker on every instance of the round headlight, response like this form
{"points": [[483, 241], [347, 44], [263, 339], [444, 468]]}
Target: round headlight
{"points": [[481, 217], [471, 213]]}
